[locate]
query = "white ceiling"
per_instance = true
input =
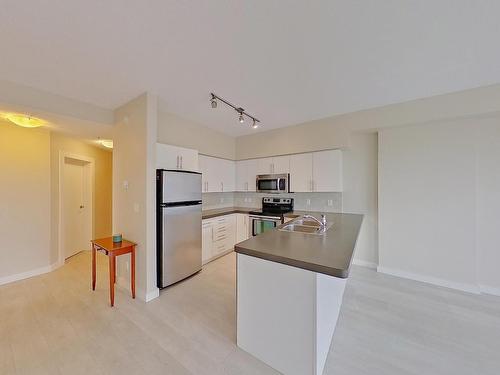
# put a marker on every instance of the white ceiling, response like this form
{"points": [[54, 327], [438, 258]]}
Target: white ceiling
{"points": [[286, 62]]}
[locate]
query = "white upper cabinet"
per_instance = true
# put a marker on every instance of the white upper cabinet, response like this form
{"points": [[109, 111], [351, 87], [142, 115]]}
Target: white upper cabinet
{"points": [[316, 172], [281, 164], [228, 176], [301, 173], [176, 158], [218, 175], [327, 171], [251, 167], [246, 171], [265, 166], [241, 175], [276, 164]]}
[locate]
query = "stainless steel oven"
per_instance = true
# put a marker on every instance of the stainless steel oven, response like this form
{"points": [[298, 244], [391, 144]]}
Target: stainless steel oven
{"points": [[271, 214], [273, 183], [259, 224]]}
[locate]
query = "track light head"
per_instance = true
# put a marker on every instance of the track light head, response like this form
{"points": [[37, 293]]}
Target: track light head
{"points": [[213, 102], [255, 125], [241, 119]]}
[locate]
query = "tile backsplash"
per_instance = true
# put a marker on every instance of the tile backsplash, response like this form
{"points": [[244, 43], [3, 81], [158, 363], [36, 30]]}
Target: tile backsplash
{"points": [[321, 202], [217, 200]]}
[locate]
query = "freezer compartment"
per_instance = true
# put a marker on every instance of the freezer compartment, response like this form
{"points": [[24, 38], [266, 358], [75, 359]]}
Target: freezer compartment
{"points": [[176, 186], [180, 250]]}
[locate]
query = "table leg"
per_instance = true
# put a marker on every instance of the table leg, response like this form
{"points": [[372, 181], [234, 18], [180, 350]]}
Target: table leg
{"points": [[111, 279], [93, 266], [132, 272], [114, 274]]}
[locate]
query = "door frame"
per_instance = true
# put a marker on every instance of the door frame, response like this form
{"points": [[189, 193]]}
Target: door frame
{"points": [[91, 165]]}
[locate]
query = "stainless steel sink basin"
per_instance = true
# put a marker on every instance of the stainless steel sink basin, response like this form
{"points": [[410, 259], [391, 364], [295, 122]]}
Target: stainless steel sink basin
{"points": [[302, 225]]}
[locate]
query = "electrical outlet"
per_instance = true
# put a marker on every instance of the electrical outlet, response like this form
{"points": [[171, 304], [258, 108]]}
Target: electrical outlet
{"points": [[330, 202], [308, 202], [137, 208], [222, 200]]}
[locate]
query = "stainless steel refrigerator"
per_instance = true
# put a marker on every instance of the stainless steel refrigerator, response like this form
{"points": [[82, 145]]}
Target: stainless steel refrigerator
{"points": [[178, 229]]}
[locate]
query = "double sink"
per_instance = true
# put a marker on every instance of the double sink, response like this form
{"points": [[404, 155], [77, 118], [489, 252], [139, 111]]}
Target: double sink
{"points": [[306, 225]]}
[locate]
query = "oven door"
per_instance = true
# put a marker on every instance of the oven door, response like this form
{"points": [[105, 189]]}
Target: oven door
{"points": [[261, 224]]}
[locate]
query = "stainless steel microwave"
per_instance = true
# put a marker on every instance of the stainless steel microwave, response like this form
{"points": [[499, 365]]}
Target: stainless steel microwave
{"points": [[273, 183]]}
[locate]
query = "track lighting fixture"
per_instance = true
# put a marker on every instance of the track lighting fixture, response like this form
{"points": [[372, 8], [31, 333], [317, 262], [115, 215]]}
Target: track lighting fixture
{"points": [[241, 118]]}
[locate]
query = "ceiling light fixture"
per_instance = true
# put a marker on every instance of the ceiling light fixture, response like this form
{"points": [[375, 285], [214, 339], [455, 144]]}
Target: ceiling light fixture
{"points": [[26, 121], [108, 143], [241, 111], [213, 101]]}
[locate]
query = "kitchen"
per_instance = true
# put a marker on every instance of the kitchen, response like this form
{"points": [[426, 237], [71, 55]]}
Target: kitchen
{"points": [[182, 249], [322, 179]]}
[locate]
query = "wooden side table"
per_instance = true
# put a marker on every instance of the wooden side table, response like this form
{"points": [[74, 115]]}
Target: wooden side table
{"points": [[112, 250]]}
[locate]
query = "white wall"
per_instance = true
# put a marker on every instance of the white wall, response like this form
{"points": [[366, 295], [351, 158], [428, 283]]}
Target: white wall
{"points": [[488, 205], [135, 133], [360, 193], [177, 131], [24, 201], [438, 199]]}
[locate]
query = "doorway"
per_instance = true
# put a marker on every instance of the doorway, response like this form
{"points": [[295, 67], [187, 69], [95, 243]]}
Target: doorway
{"points": [[76, 205]]}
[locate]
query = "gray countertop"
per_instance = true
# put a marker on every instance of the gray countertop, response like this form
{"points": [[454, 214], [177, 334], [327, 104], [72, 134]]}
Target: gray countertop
{"points": [[330, 254], [208, 214]]}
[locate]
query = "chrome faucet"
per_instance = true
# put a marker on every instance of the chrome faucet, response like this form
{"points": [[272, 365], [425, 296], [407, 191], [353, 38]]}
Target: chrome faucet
{"points": [[321, 222]]}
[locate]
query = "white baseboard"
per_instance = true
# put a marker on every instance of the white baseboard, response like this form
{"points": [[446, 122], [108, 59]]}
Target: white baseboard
{"points": [[486, 289], [152, 294], [364, 263], [124, 284], [28, 274], [465, 287]]}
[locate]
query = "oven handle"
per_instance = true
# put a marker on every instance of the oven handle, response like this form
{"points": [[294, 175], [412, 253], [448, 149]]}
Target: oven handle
{"points": [[259, 217]]}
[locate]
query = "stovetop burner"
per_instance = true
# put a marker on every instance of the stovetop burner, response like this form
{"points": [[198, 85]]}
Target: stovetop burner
{"points": [[274, 207]]}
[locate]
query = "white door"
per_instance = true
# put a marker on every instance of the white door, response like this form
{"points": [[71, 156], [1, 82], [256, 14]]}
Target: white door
{"points": [[327, 171], [281, 164], [252, 167], [241, 175], [76, 206], [167, 157], [265, 166], [206, 241], [301, 166], [242, 230], [188, 160], [228, 177]]}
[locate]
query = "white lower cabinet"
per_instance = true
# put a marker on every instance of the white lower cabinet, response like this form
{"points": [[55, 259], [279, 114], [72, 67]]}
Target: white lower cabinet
{"points": [[242, 228], [219, 235], [207, 233]]}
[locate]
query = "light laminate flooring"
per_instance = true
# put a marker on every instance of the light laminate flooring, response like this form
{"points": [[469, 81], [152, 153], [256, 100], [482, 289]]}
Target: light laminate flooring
{"points": [[54, 324]]}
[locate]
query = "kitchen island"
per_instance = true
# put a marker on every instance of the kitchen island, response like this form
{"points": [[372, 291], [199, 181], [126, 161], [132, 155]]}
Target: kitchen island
{"points": [[290, 287]]}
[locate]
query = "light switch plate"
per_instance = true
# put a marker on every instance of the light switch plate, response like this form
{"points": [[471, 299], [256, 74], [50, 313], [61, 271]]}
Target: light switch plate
{"points": [[136, 208]]}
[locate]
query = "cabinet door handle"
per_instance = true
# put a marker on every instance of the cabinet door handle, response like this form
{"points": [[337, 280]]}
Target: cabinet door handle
{"points": [[222, 186], [177, 165], [181, 162]]}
